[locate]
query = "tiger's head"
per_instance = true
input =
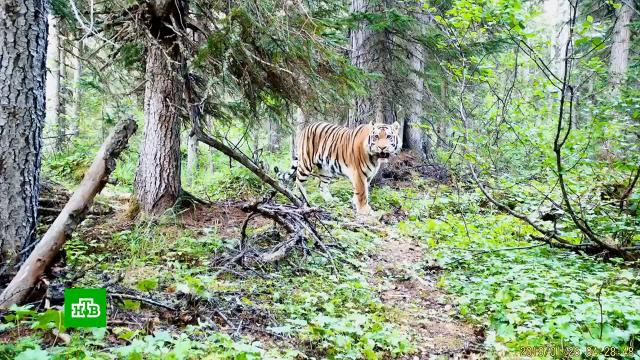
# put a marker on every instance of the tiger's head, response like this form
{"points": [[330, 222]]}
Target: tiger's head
{"points": [[383, 140]]}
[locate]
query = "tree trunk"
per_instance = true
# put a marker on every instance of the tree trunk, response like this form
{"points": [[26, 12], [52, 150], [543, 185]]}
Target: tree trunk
{"points": [[619, 60], [70, 217], [257, 150], [157, 182], [413, 138], [212, 164], [300, 122], [274, 136], [371, 51], [61, 124], [23, 35], [53, 77], [556, 17], [74, 109], [192, 158], [443, 125]]}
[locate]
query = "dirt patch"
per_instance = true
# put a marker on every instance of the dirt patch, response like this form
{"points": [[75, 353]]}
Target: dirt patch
{"points": [[418, 306], [226, 216]]}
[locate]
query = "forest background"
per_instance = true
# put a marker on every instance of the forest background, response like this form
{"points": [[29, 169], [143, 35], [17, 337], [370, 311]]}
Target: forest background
{"points": [[517, 180]]}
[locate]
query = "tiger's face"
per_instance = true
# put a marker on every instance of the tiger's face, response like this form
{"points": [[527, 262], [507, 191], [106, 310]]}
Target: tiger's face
{"points": [[383, 140]]}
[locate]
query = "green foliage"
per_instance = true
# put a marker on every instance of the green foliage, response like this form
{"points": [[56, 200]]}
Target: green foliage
{"points": [[69, 166], [164, 345], [530, 297], [345, 319]]}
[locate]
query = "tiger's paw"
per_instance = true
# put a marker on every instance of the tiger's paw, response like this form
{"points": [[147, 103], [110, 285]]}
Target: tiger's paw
{"points": [[367, 214], [365, 210]]}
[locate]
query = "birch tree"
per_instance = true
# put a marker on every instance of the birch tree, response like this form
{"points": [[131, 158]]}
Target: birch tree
{"points": [[54, 78]]}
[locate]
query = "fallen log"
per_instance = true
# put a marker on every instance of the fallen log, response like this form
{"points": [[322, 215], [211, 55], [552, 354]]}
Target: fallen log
{"points": [[71, 216]]}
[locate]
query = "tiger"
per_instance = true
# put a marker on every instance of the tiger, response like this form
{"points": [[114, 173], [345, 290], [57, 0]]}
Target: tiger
{"points": [[327, 150]]}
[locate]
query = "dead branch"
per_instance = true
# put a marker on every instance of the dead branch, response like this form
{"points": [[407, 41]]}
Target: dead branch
{"points": [[71, 216], [142, 299], [296, 222], [629, 190], [195, 115]]}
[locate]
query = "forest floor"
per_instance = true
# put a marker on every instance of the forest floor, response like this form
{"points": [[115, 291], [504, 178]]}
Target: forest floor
{"points": [[421, 310], [438, 274], [169, 277]]}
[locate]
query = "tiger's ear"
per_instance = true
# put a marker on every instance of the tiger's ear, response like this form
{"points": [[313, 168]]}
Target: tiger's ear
{"points": [[395, 126], [371, 123]]}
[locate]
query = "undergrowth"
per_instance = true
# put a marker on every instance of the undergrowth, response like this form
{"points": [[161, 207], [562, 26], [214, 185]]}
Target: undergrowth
{"points": [[528, 296]]}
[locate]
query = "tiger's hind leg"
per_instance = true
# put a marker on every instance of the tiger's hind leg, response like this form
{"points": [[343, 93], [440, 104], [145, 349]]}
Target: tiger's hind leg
{"points": [[324, 189]]}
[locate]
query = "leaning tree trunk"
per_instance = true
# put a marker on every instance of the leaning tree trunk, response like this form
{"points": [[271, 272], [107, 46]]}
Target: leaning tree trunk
{"points": [[157, 182], [619, 60], [413, 138], [23, 35]]}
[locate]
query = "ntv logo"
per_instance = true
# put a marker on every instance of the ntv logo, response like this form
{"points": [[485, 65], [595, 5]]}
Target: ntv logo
{"points": [[85, 308]]}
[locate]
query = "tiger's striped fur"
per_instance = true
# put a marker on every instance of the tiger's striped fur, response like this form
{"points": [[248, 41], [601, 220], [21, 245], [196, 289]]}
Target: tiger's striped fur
{"points": [[327, 150]]}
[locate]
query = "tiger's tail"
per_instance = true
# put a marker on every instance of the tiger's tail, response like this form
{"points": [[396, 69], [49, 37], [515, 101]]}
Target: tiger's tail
{"points": [[287, 177]]}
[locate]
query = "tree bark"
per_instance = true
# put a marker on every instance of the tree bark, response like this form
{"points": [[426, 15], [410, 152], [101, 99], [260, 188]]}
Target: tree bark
{"points": [[157, 182], [71, 216], [371, 51], [443, 125], [212, 164], [299, 124], [413, 138], [61, 119], [23, 35], [619, 60]]}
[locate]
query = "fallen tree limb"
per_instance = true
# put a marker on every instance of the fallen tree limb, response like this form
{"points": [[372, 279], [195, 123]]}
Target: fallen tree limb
{"points": [[71, 216], [142, 299], [552, 238], [299, 224], [295, 221]]}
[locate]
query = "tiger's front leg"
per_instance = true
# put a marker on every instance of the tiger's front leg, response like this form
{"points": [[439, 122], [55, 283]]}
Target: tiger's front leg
{"points": [[361, 195]]}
